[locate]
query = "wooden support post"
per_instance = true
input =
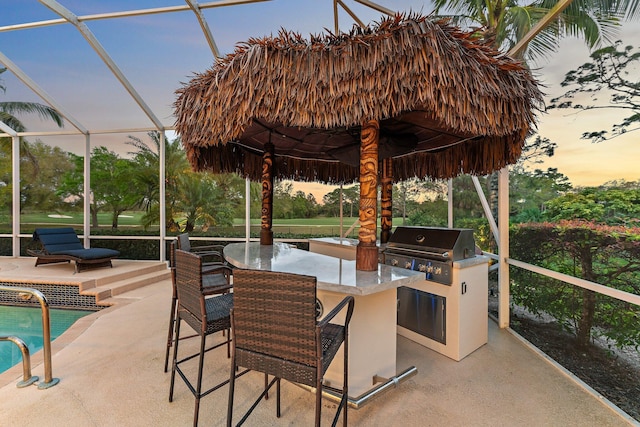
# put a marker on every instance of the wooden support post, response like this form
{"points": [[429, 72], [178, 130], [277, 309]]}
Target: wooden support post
{"points": [[266, 234], [386, 204], [367, 251]]}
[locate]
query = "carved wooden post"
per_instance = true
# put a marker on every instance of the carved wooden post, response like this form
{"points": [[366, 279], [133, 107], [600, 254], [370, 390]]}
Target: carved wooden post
{"points": [[386, 194], [367, 251], [266, 234]]}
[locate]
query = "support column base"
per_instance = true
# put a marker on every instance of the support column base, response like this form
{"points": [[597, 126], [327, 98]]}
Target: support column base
{"points": [[366, 257], [266, 237]]}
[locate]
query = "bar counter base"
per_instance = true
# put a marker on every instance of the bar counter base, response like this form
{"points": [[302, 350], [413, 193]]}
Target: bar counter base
{"points": [[382, 385]]}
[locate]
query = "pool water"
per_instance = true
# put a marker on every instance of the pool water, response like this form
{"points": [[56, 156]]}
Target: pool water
{"points": [[26, 324]]}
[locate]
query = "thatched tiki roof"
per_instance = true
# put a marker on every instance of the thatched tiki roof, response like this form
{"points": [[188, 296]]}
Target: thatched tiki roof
{"points": [[446, 104]]}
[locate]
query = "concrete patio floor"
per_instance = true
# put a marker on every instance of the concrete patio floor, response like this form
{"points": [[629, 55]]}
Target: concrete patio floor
{"points": [[110, 366]]}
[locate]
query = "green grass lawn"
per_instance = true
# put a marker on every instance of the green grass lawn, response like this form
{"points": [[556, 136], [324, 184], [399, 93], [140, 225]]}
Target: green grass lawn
{"points": [[306, 222], [319, 226], [131, 218], [73, 218]]}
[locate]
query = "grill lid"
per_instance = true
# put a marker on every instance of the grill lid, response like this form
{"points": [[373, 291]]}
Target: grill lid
{"points": [[450, 244]]}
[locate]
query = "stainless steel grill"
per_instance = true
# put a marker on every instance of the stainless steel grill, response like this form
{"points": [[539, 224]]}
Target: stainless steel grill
{"points": [[431, 250]]}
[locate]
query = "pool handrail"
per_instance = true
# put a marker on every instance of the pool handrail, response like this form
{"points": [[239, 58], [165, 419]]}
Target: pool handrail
{"points": [[28, 293], [27, 378]]}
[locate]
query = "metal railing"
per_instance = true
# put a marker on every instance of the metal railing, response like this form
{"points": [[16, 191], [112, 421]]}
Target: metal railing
{"points": [[575, 281], [49, 381], [27, 378]]}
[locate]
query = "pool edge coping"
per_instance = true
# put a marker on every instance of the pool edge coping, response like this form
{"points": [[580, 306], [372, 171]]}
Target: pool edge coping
{"points": [[80, 326]]}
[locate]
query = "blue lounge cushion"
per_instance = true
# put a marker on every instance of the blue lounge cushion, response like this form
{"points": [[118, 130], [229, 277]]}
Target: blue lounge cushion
{"points": [[65, 241], [91, 253], [57, 239]]}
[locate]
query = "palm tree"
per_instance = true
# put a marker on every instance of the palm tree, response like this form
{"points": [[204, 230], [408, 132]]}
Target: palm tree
{"points": [[8, 110], [147, 159], [504, 22], [198, 199]]}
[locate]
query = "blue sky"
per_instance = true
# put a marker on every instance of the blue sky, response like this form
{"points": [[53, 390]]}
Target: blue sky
{"points": [[160, 51]]}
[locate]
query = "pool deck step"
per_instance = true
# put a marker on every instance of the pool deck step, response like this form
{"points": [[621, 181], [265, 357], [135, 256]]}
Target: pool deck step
{"points": [[122, 273], [128, 283], [103, 283]]}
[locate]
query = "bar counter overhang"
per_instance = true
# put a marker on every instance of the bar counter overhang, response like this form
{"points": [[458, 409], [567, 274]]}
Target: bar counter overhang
{"points": [[372, 331]]}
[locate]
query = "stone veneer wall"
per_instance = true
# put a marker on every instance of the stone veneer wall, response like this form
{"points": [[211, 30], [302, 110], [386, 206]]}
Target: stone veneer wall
{"points": [[58, 296]]}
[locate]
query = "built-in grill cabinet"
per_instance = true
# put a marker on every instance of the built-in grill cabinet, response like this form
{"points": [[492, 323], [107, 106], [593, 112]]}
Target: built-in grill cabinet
{"points": [[448, 311], [423, 313]]}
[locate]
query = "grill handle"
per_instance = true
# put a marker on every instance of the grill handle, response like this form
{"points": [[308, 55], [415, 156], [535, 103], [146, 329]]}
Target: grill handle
{"points": [[417, 253], [436, 254]]}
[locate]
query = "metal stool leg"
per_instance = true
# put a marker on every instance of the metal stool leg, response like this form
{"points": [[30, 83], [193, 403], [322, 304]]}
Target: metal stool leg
{"points": [[172, 319]]}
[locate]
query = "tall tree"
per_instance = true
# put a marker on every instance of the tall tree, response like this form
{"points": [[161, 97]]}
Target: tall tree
{"points": [[503, 23], [331, 203], [613, 203], [231, 189], [609, 81], [331, 200], [5, 181], [113, 186], [304, 205], [112, 183], [282, 199], [465, 198], [603, 254], [407, 196], [531, 191], [71, 185], [38, 190], [351, 197]]}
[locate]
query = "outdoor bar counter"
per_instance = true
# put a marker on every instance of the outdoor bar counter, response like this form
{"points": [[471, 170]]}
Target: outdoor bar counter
{"points": [[372, 331]]}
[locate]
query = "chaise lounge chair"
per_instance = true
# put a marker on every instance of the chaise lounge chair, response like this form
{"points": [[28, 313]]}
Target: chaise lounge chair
{"points": [[62, 245]]}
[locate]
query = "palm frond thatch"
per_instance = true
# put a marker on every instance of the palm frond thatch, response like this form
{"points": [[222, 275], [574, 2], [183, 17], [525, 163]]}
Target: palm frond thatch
{"points": [[446, 104]]}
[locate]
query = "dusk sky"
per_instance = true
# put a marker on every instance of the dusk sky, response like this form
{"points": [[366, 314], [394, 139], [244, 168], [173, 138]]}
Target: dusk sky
{"points": [[158, 52]]}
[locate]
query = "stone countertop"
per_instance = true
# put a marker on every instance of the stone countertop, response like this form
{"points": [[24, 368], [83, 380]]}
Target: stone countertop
{"points": [[336, 241], [470, 262], [333, 274]]}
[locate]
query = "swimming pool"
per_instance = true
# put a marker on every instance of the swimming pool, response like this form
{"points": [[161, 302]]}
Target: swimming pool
{"points": [[26, 324]]}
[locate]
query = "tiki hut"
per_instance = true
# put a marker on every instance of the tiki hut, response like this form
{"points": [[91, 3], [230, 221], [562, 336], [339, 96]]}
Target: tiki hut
{"points": [[409, 96]]}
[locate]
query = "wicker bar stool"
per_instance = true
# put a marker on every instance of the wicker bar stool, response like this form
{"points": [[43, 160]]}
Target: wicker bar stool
{"points": [[275, 331], [211, 252], [206, 316], [216, 280]]}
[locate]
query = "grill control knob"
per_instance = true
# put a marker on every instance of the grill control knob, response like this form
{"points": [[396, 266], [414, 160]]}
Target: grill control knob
{"points": [[394, 262], [407, 264], [422, 268]]}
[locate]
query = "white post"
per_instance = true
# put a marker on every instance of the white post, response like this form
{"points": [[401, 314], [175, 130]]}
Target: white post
{"points": [[86, 223], [341, 215], [163, 195], [487, 208], [450, 203], [503, 247], [15, 193], [247, 209]]}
